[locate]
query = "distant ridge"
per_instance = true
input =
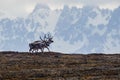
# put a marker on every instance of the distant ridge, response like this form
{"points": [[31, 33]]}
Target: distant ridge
{"points": [[81, 30]]}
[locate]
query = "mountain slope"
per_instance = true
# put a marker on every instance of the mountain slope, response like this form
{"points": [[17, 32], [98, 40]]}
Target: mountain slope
{"points": [[87, 29]]}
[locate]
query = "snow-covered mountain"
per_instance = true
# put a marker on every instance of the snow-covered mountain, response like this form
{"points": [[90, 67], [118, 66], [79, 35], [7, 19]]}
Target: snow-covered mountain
{"points": [[87, 29]]}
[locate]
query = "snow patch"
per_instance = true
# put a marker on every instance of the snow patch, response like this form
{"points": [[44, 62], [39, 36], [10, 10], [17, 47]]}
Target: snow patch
{"points": [[65, 46], [99, 19], [112, 45]]}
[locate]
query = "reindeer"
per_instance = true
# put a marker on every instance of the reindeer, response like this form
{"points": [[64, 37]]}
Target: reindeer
{"points": [[41, 44]]}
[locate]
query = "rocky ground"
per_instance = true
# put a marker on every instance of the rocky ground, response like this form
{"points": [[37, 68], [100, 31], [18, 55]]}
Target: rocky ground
{"points": [[57, 66]]}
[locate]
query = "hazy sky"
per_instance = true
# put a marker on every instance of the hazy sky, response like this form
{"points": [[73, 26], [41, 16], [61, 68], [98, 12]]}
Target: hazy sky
{"points": [[22, 8]]}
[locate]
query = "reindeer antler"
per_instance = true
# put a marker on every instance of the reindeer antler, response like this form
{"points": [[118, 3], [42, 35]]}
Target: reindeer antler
{"points": [[45, 37], [41, 38], [49, 36]]}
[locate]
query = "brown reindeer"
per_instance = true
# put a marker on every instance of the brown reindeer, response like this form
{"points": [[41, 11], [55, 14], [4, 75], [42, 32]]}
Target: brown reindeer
{"points": [[41, 44]]}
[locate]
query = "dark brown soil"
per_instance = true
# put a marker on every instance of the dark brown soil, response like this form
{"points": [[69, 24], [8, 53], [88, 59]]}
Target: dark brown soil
{"points": [[57, 66]]}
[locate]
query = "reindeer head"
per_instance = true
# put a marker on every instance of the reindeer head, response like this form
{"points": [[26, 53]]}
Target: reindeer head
{"points": [[49, 37]]}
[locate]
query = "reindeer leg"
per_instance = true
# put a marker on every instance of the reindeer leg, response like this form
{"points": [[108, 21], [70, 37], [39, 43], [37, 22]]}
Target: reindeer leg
{"points": [[48, 49], [41, 50], [34, 50], [37, 50], [30, 50]]}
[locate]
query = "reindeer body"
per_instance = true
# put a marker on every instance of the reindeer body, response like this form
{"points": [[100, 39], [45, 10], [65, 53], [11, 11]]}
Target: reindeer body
{"points": [[36, 45]]}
